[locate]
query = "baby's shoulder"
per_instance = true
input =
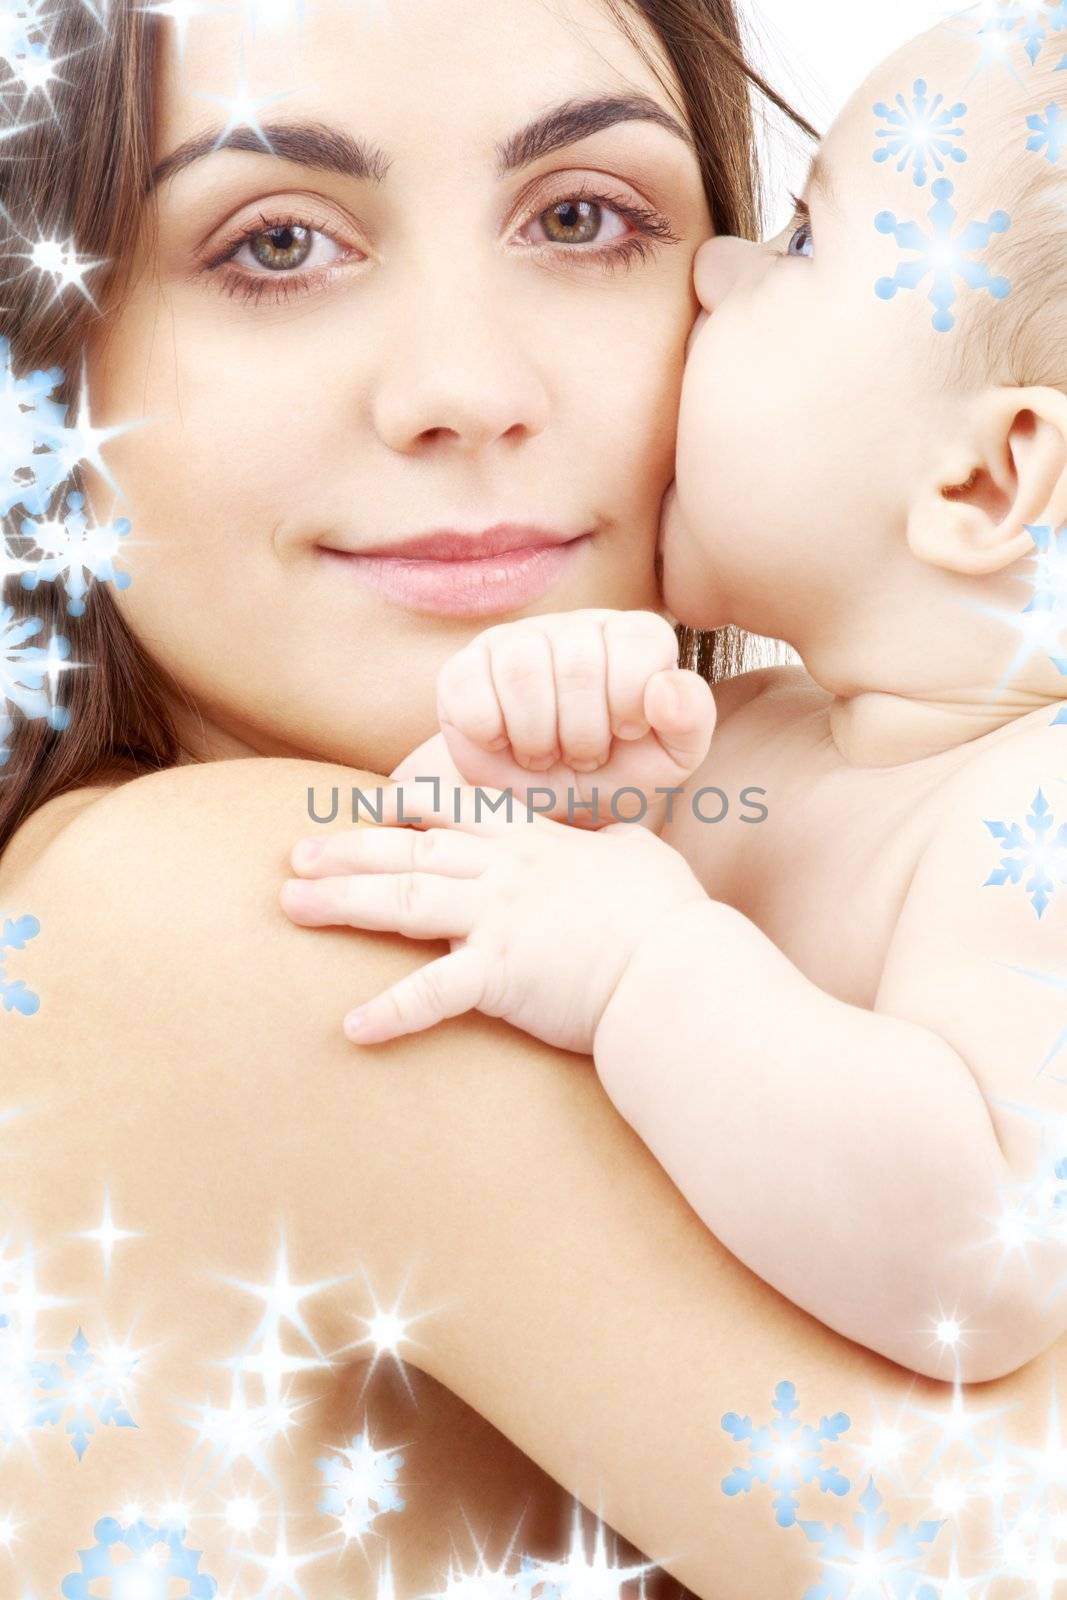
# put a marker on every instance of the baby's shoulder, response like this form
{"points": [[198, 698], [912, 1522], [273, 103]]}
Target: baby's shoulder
{"points": [[1031, 752], [1013, 785], [779, 683]]}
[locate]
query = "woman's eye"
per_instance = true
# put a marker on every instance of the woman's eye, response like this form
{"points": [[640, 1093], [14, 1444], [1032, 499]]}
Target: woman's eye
{"points": [[801, 242], [275, 258], [283, 246], [575, 221]]}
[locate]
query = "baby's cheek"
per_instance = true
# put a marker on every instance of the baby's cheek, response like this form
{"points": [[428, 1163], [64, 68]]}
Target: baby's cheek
{"points": [[702, 423], [682, 565]]}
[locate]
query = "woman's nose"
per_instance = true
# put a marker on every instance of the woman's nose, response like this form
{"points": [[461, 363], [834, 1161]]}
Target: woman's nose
{"points": [[461, 375], [717, 266]]}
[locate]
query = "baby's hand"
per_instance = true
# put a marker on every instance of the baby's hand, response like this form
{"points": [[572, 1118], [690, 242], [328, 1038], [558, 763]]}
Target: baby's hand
{"points": [[542, 919], [574, 701]]}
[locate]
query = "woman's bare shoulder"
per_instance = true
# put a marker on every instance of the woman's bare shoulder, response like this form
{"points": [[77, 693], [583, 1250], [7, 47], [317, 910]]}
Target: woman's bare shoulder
{"points": [[255, 799], [161, 931], [170, 979], [213, 789]]}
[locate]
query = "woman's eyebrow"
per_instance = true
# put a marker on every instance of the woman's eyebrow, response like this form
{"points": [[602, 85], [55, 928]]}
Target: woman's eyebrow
{"points": [[331, 149]]}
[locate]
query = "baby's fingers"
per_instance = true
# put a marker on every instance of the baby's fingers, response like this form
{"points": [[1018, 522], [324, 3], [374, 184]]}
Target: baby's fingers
{"points": [[416, 904], [499, 692], [385, 849], [639, 645], [444, 988], [467, 698], [680, 708]]}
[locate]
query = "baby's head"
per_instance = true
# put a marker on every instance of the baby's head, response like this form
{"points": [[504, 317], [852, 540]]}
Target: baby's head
{"points": [[857, 463]]}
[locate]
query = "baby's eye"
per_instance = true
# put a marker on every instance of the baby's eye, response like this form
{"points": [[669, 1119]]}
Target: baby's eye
{"points": [[801, 242]]}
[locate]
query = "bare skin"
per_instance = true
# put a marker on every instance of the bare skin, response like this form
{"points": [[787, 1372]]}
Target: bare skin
{"points": [[574, 1301]]}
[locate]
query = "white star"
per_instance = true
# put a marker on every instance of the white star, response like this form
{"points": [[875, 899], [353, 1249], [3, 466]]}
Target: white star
{"points": [[883, 1445], [272, 1364], [82, 442], [107, 1235], [996, 44], [53, 664], [242, 1514], [388, 1331], [283, 1297], [948, 1333], [582, 1579], [24, 1302], [242, 107], [998, 1478], [281, 1566], [61, 260], [240, 1432], [957, 1425]]}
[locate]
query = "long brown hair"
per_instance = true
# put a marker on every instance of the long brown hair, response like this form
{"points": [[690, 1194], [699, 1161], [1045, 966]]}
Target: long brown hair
{"points": [[80, 176]]}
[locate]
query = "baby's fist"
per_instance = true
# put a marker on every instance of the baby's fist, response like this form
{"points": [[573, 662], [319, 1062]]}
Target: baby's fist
{"points": [[555, 699]]}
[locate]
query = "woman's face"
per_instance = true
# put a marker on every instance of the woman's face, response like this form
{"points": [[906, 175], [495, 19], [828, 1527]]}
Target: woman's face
{"points": [[425, 327]]}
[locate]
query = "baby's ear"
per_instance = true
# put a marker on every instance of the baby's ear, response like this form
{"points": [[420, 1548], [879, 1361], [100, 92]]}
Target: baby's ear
{"points": [[1010, 471]]}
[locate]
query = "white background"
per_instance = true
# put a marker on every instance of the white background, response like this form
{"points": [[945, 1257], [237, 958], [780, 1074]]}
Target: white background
{"points": [[816, 53]]}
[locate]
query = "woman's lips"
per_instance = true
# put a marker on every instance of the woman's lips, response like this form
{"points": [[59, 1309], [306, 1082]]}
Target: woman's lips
{"points": [[469, 588]]}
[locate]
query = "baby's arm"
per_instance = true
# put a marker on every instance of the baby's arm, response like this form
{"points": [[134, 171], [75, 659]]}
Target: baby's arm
{"points": [[859, 1160]]}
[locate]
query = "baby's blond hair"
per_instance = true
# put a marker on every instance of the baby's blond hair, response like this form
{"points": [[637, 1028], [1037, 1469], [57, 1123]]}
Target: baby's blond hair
{"points": [[1022, 339]]}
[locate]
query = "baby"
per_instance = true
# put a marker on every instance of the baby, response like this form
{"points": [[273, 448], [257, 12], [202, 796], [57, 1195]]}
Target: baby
{"points": [[824, 980]]}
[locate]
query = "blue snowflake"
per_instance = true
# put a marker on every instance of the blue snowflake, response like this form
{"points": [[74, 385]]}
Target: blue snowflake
{"points": [[89, 1391], [150, 1561], [1034, 20], [23, 669], [785, 1454], [943, 256], [361, 1485], [919, 131], [70, 549], [1033, 31], [1044, 855], [15, 934], [1050, 133], [31, 425], [871, 1571]]}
